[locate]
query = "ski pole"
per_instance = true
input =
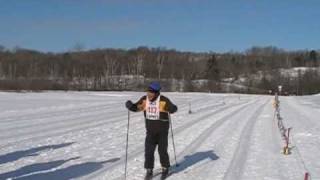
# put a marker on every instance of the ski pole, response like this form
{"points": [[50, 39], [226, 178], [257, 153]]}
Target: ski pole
{"points": [[174, 147], [125, 168]]}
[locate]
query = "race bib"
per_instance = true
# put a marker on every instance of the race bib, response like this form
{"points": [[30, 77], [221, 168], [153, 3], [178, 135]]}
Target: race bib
{"points": [[153, 109]]}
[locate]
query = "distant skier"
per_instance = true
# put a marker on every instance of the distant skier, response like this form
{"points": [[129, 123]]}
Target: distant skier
{"points": [[156, 110]]}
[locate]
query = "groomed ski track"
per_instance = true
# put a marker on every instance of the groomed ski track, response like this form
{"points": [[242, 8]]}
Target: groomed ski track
{"points": [[227, 136]]}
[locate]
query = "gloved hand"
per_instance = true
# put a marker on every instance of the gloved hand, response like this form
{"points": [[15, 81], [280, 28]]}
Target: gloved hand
{"points": [[173, 109], [129, 104]]}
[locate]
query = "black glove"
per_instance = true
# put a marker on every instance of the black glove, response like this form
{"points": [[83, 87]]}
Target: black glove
{"points": [[173, 109], [129, 104]]}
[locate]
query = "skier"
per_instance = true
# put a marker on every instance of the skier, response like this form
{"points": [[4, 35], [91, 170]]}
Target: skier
{"points": [[156, 110]]}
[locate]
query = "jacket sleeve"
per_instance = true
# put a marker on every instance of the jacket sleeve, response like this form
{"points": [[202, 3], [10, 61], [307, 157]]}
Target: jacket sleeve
{"points": [[138, 106], [172, 108]]}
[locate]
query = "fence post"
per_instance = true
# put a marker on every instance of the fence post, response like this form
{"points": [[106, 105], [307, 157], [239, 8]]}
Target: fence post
{"points": [[286, 149], [306, 176]]}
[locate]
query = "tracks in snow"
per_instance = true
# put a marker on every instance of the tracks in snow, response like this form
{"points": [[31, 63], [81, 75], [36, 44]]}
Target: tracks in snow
{"points": [[90, 117], [235, 170], [194, 144]]}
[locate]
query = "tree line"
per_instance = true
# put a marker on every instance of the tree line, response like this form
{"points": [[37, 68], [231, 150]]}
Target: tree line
{"points": [[257, 70]]}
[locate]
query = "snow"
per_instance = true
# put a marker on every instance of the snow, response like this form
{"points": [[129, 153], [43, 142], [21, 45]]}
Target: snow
{"points": [[82, 135], [294, 72]]}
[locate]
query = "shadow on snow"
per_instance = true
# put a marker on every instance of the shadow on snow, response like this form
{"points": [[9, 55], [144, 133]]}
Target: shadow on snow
{"points": [[10, 157], [48, 170], [42, 171], [195, 158]]}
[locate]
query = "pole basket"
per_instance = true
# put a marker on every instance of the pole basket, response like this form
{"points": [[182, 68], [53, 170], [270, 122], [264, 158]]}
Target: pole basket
{"points": [[286, 150]]}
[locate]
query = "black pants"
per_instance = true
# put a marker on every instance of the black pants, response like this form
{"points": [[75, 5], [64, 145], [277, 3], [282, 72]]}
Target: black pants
{"points": [[153, 139]]}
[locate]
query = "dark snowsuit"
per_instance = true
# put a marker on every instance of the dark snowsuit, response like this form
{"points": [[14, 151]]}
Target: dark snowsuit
{"points": [[157, 131]]}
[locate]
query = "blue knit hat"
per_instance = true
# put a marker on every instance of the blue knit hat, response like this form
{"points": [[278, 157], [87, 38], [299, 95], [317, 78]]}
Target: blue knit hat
{"points": [[154, 86]]}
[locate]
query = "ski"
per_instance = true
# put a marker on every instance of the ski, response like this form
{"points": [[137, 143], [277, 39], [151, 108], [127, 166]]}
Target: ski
{"points": [[157, 175], [160, 176]]}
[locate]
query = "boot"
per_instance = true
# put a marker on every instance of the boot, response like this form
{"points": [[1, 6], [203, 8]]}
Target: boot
{"points": [[149, 174], [164, 173]]}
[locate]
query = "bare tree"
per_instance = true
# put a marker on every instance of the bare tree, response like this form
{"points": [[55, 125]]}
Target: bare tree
{"points": [[160, 61]]}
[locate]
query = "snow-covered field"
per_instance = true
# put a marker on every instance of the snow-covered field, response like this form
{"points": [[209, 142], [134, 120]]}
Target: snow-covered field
{"points": [[82, 135]]}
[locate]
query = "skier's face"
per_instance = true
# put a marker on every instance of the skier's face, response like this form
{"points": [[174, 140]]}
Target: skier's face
{"points": [[151, 95]]}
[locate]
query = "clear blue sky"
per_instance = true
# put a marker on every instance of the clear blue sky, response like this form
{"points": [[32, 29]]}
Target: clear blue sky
{"points": [[187, 25]]}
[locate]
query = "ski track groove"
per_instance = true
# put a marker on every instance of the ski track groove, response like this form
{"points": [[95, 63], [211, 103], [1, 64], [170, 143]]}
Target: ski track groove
{"points": [[196, 143], [66, 119], [178, 129], [63, 129], [46, 114], [235, 170], [204, 135], [199, 109], [88, 112], [56, 131], [181, 128]]}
